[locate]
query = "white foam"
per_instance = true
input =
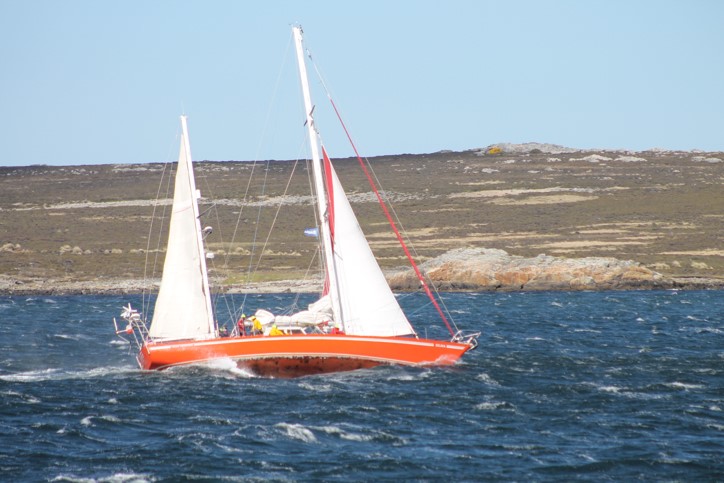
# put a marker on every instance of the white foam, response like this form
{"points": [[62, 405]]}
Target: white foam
{"points": [[681, 385], [494, 406], [227, 366], [315, 387], [487, 379], [28, 398], [65, 336], [115, 478], [350, 436], [30, 376], [88, 420], [297, 431], [334, 430], [58, 375], [407, 374], [612, 389]]}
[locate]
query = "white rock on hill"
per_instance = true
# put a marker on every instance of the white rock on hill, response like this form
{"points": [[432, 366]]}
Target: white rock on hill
{"points": [[525, 148]]}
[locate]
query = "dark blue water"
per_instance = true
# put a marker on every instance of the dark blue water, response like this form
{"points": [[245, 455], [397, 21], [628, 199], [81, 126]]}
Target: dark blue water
{"points": [[588, 386]]}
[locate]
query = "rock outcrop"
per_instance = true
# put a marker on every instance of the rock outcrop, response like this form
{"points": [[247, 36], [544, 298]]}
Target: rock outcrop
{"points": [[484, 269], [464, 269]]}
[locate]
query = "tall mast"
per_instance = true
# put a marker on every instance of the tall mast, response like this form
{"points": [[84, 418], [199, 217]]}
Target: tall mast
{"points": [[317, 170]]}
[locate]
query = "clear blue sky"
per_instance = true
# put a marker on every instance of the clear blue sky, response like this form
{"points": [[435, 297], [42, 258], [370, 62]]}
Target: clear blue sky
{"points": [[85, 82]]}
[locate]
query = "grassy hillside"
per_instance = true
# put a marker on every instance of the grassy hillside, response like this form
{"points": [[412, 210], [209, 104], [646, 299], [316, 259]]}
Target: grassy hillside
{"points": [[663, 209]]}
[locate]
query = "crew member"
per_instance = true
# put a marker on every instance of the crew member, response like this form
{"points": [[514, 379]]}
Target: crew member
{"points": [[240, 324], [256, 325]]}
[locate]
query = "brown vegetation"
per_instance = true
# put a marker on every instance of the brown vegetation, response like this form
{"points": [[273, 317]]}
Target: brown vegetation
{"points": [[91, 223]]}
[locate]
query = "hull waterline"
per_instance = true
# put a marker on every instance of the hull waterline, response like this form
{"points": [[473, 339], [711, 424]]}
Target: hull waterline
{"points": [[301, 355]]}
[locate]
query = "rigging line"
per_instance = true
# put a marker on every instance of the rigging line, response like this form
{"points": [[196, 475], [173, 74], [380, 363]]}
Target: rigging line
{"points": [[256, 228], [382, 203], [148, 240], [318, 249], [412, 247], [276, 215], [219, 231], [414, 250], [306, 274], [239, 218], [216, 296], [146, 304], [249, 271], [241, 212], [213, 205], [294, 306], [369, 165], [420, 308], [420, 277], [266, 124]]}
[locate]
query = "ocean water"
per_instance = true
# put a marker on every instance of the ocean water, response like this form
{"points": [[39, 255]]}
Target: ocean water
{"points": [[615, 386]]}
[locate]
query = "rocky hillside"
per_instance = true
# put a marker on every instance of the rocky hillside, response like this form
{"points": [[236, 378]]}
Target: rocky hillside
{"points": [[101, 226], [482, 269]]}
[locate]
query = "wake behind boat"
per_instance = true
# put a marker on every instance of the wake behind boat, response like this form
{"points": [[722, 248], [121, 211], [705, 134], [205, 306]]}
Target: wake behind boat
{"points": [[356, 323]]}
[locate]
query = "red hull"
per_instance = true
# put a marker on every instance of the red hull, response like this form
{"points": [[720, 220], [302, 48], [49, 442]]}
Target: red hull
{"points": [[300, 355]]}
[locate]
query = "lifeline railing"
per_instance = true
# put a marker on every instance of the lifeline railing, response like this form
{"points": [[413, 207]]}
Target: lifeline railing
{"points": [[135, 325], [466, 337]]}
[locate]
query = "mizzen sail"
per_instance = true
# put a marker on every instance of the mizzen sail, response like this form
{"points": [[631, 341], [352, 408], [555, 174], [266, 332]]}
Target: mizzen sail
{"points": [[183, 307]]}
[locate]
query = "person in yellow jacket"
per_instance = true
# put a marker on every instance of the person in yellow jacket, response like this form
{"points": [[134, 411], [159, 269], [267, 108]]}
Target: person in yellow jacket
{"points": [[275, 330], [256, 325]]}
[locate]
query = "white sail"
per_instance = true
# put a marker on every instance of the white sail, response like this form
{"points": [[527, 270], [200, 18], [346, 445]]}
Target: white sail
{"points": [[183, 307], [361, 300], [368, 305]]}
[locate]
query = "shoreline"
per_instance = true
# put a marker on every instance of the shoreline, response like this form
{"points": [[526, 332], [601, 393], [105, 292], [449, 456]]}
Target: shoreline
{"points": [[136, 287]]}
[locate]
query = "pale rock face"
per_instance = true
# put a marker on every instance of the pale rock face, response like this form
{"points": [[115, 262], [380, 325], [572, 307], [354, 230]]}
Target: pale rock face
{"points": [[493, 269]]}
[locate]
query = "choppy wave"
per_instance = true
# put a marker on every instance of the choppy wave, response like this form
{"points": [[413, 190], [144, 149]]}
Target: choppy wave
{"points": [[114, 478], [52, 374], [617, 386], [226, 367], [298, 432]]}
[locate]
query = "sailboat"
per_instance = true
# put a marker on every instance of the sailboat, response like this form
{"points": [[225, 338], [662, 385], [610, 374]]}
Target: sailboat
{"points": [[356, 323]]}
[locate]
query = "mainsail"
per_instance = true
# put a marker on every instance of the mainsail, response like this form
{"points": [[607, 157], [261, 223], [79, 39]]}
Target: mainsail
{"points": [[183, 307]]}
